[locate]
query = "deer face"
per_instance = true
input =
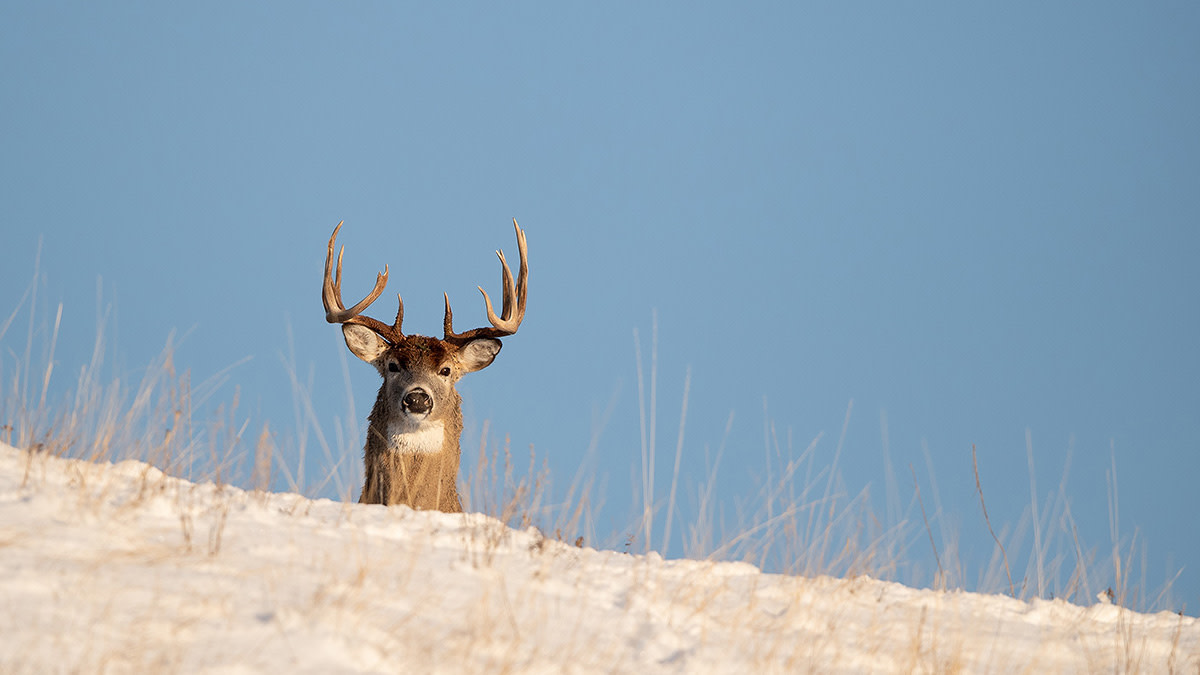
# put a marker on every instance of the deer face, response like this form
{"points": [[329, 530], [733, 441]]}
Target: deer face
{"points": [[418, 410], [419, 374]]}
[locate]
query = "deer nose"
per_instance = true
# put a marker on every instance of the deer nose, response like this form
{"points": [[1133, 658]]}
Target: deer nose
{"points": [[417, 402]]}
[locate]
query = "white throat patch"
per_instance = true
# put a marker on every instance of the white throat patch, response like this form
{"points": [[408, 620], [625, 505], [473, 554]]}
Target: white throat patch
{"points": [[427, 437]]}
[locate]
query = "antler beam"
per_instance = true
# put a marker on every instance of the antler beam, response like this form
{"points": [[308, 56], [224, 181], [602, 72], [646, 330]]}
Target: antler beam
{"points": [[336, 312]]}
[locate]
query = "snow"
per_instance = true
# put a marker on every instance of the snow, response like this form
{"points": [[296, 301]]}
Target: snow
{"points": [[119, 568]]}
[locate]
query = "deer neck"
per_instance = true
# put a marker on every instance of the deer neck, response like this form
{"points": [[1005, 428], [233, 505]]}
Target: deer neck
{"points": [[425, 439], [411, 464]]}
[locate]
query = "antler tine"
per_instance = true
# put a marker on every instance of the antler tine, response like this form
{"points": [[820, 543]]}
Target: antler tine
{"points": [[513, 309], [331, 296], [514, 298], [399, 313]]}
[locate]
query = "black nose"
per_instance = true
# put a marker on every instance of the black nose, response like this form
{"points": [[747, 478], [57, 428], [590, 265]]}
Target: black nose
{"points": [[417, 402]]}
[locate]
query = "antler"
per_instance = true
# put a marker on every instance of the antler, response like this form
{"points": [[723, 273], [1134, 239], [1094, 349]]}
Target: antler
{"points": [[336, 312], [513, 310]]}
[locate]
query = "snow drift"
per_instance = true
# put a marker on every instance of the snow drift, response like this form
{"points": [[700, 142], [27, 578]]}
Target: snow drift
{"points": [[120, 568]]}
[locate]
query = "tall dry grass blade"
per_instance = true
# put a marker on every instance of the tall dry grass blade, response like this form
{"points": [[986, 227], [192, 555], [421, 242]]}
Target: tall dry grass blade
{"points": [[264, 452], [687, 384], [1012, 589], [27, 361], [701, 534], [892, 509], [648, 427], [1033, 505], [932, 543], [50, 358]]}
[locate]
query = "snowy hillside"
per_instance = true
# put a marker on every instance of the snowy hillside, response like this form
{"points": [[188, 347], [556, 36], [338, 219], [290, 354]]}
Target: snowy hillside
{"points": [[118, 569]]}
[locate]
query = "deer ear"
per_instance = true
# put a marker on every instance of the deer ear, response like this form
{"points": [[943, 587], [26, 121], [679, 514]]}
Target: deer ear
{"points": [[363, 341], [478, 354]]}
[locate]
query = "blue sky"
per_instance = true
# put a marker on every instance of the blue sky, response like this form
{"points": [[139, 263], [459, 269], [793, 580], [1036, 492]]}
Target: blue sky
{"points": [[970, 221]]}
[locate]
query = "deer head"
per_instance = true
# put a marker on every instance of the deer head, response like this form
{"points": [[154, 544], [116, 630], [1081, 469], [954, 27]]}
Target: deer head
{"points": [[412, 450]]}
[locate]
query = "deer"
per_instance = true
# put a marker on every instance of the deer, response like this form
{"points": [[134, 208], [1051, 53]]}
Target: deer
{"points": [[411, 455]]}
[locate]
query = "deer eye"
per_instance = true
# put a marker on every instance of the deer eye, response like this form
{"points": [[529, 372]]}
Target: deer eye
{"points": [[444, 372], [394, 367]]}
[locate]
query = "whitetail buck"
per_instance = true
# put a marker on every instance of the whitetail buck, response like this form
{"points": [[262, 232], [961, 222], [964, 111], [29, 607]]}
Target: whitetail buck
{"points": [[412, 450]]}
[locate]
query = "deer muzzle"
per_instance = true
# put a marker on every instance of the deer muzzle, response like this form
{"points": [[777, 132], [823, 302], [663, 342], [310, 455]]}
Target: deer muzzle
{"points": [[417, 402]]}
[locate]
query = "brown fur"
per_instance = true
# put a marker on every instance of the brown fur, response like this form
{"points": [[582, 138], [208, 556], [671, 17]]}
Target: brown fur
{"points": [[422, 480]]}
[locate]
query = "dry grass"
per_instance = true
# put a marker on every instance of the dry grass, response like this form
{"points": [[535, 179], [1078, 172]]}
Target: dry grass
{"points": [[802, 519], [803, 522]]}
